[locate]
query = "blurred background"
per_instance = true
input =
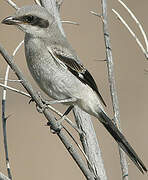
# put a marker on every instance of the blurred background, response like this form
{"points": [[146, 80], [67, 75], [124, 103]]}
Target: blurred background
{"points": [[34, 152]]}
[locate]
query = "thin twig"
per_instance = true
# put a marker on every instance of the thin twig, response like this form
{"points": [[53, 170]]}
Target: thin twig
{"points": [[70, 22], [37, 2], [4, 120], [4, 117], [8, 68], [131, 32], [113, 91], [95, 14], [11, 3], [137, 22], [18, 47], [14, 90], [10, 80]]}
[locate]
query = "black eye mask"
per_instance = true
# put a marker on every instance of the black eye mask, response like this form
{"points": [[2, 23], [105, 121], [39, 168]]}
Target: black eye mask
{"points": [[35, 21]]}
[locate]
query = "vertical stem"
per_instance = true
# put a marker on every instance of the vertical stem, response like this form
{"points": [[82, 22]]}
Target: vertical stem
{"points": [[90, 144], [4, 119], [113, 91]]}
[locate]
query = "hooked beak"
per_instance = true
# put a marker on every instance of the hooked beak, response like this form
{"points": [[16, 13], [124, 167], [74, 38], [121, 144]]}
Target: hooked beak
{"points": [[11, 21]]}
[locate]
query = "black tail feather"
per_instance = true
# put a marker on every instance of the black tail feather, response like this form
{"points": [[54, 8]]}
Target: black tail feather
{"points": [[121, 140]]}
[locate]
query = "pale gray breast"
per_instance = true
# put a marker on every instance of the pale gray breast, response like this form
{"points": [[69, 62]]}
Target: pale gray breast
{"points": [[53, 79]]}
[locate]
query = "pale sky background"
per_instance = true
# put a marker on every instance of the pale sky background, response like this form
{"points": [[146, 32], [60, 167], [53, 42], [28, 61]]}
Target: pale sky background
{"points": [[34, 152]]}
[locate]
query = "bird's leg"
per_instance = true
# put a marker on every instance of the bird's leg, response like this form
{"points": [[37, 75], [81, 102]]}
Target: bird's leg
{"points": [[46, 103], [65, 114], [39, 109], [68, 110], [61, 119]]}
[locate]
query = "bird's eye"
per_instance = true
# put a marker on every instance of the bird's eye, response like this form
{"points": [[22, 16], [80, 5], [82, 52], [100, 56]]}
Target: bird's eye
{"points": [[29, 19]]}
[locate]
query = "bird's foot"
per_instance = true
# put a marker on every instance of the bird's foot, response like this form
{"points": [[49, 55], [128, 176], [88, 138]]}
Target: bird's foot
{"points": [[53, 130], [30, 101], [41, 109]]}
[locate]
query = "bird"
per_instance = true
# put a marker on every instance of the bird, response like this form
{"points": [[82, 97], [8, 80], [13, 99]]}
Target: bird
{"points": [[58, 71]]}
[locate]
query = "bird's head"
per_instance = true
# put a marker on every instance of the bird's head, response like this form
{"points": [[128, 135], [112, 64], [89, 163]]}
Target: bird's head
{"points": [[31, 19]]}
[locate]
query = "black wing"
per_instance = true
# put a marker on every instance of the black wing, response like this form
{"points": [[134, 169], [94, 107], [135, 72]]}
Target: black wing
{"points": [[77, 69]]}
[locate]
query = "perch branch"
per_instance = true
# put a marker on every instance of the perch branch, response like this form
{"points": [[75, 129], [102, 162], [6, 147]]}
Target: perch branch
{"points": [[113, 91], [80, 148]]}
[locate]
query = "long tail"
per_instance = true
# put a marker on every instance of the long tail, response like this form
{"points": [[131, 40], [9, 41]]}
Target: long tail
{"points": [[121, 140]]}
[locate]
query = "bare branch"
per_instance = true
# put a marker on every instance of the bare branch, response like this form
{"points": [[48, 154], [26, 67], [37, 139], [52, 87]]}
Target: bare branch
{"points": [[10, 80], [131, 32], [8, 68], [4, 120], [113, 91], [90, 143], [37, 2], [3, 114], [78, 145], [11, 3], [95, 14], [138, 23], [14, 90], [18, 47], [3, 177], [70, 22]]}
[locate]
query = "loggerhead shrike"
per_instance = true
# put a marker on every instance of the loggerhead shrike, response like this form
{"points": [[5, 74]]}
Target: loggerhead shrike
{"points": [[58, 71]]}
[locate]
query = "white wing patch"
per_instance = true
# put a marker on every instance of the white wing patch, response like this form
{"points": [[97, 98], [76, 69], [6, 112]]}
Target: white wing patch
{"points": [[56, 59]]}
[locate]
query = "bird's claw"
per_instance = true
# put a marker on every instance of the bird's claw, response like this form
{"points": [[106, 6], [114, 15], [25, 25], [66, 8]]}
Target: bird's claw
{"points": [[41, 109], [30, 101], [53, 130]]}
